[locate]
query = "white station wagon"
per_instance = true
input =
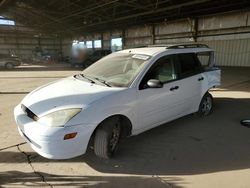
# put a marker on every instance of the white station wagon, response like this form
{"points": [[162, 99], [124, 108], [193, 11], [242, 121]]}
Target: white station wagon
{"points": [[123, 94]]}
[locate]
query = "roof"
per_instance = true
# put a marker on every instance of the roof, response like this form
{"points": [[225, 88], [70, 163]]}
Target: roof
{"points": [[153, 50], [81, 17], [147, 51]]}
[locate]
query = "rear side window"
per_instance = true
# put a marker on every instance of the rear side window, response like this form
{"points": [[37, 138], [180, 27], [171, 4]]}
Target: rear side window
{"points": [[188, 64], [204, 58]]}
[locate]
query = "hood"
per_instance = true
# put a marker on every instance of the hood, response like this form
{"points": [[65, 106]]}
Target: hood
{"points": [[65, 93]]}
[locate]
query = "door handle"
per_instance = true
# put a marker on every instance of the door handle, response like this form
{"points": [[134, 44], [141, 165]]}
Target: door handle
{"points": [[200, 79], [174, 88]]}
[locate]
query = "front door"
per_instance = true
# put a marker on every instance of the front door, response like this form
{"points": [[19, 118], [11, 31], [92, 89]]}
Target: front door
{"points": [[158, 105]]}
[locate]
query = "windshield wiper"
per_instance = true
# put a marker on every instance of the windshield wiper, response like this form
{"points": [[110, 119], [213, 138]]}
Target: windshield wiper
{"points": [[102, 81], [87, 78], [91, 79]]}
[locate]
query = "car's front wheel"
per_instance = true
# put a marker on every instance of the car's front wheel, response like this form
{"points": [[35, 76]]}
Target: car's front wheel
{"points": [[206, 105], [107, 137], [9, 66]]}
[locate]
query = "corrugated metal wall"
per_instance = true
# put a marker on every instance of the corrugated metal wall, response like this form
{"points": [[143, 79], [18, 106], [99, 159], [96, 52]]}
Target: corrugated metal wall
{"points": [[138, 36], [23, 42], [227, 33], [231, 52], [67, 46], [174, 32]]}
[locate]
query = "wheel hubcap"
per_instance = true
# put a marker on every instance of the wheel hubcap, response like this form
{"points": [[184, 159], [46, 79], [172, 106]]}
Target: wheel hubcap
{"points": [[115, 136], [207, 106], [9, 66]]}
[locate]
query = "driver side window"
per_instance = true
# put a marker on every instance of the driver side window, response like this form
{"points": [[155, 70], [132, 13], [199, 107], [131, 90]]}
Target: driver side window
{"points": [[163, 70]]}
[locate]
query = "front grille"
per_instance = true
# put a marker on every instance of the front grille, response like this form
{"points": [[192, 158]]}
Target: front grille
{"points": [[29, 113]]}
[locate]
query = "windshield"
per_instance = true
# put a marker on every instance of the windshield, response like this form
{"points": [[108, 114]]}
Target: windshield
{"points": [[117, 69]]}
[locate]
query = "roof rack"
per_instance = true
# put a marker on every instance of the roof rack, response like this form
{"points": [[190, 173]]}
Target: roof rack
{"points": [[180, 46], [187, 46], [160, 45]]}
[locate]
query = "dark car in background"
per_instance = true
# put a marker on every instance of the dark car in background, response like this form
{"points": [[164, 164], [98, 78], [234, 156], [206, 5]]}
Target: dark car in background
{"points": [[98, 54], [86, 58], [9, 61]]}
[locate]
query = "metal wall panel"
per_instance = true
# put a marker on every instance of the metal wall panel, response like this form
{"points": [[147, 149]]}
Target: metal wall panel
{"points": [[66, 47], [136, 42], [227, 33], [106, 44], [25, 46], [223, 21], [231, 52], [116, 33], [174, 32], [173, 39], [174, 27], [138, 32], [97, 36], [106, 36]]}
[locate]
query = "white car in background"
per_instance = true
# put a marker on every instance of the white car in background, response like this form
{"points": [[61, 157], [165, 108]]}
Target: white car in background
{"points": [[123, 94]]}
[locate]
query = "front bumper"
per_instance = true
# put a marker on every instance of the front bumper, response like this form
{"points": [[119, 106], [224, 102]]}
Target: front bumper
{"points": [[49, 141]]}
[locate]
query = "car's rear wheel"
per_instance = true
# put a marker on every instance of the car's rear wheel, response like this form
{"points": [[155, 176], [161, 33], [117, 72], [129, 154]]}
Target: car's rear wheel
{"points": [[107, 137], [9, 66], [206, 105]]}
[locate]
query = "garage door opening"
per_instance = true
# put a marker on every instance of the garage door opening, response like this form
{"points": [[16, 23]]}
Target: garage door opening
{"points": [[97, 44], [7, 22], [116, 44]]}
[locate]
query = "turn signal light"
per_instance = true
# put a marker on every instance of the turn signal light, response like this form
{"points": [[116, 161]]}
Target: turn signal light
{"points": [[69, 136]]}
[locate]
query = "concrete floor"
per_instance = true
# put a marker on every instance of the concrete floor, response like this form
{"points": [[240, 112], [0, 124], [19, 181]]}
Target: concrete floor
{"points": [[189, 152]]}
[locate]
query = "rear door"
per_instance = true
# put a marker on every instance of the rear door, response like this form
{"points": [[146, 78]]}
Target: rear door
{"points": [[191, 79]]}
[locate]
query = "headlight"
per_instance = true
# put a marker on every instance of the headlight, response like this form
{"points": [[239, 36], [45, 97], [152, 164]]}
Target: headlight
{"points": [[59, 118]]}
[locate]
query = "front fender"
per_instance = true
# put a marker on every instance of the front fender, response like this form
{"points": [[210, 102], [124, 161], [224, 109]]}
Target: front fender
{"points": [[120, 103]]}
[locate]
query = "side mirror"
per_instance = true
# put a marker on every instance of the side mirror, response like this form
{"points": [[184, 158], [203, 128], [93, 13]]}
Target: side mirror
{"points": [[153, 83]]}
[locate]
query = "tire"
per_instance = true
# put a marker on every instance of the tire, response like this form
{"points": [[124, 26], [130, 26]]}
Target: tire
{"points": [[107, 137], [206, 105], [9, 66]]}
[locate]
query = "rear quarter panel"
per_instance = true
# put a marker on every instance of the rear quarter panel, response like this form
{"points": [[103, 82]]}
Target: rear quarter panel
{"points": [[212, 79]]}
